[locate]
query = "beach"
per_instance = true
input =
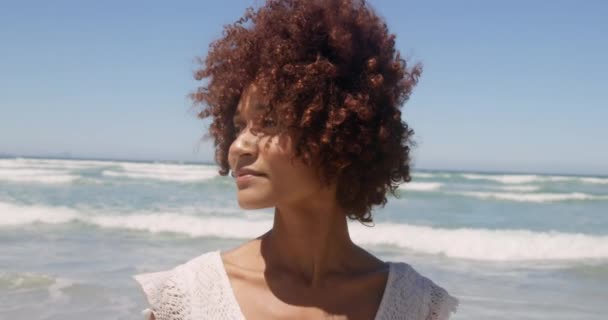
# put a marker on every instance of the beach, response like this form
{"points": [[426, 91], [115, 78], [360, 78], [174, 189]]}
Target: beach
{"points": [[508, 245]]}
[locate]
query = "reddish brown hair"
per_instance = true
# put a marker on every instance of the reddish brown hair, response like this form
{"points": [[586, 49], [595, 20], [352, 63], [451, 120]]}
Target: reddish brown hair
{"points": [[333, 79]]}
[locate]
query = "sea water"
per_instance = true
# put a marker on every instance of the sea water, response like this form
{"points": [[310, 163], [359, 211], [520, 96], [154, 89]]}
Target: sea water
{"points": [[509, 246]]}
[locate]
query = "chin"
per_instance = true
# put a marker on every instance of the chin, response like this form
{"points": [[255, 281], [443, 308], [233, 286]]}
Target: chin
{"points": [[252, 202], [252, 206]]}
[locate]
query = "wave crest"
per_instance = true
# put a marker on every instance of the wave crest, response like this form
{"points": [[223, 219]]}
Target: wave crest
{"points": [[421, 186], [463, 243], [531, 197]]}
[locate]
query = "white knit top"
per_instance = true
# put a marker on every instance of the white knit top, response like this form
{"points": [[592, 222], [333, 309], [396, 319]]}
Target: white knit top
{"points": [[200, 289]]}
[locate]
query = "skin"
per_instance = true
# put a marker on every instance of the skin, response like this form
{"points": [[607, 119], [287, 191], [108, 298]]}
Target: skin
{"points": [[306, 266]]}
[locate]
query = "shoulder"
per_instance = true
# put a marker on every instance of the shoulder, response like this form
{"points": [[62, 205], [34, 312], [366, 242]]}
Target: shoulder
{"points": [[172, 293], [412, 294]]}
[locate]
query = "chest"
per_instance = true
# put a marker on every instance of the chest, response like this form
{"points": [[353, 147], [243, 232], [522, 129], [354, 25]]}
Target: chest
{"points": [[354, 300]]}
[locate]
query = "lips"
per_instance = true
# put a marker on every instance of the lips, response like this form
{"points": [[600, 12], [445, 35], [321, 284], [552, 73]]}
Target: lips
{"points": [[244, 177], [247, 171]]}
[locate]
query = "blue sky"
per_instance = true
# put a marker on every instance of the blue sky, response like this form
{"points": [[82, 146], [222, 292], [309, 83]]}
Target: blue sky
{"points": [[510, 86]]}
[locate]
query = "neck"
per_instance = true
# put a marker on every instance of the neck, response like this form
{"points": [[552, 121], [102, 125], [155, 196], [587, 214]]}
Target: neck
{"points": [[308, 243]]}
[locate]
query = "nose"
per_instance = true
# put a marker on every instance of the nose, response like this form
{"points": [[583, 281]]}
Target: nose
{"points": [[243, 150]]}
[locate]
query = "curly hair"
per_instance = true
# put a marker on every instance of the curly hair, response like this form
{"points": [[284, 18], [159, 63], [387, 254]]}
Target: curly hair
{"points": [[333, 80]]}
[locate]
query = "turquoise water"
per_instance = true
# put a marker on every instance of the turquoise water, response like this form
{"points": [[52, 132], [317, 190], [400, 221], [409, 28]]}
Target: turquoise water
{"points": [[510, 246]]}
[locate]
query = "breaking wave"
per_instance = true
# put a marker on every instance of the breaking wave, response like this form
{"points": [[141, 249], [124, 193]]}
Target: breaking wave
{"points": [[465, 243], [531, 197]]}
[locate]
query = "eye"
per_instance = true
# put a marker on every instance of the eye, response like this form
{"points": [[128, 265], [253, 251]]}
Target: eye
{"points": [[238, 126], [268, 123]]}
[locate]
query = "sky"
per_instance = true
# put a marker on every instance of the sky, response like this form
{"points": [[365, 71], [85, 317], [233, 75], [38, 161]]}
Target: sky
{"points": [[514, 86]]}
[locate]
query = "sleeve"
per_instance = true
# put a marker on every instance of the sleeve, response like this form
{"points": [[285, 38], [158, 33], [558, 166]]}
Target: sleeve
{"points": [[163, 295], [442, 304]]}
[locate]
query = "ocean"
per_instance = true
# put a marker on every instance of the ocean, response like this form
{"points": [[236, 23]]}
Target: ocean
{"points": [[509, 246]]}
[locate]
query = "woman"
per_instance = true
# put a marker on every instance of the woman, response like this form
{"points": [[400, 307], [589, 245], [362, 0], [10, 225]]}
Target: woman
{"points": [[304, 97]]}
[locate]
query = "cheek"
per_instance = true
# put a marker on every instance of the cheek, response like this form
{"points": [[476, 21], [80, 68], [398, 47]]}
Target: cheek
{"points": [[277, 153], [275, 150], [291, 178]]}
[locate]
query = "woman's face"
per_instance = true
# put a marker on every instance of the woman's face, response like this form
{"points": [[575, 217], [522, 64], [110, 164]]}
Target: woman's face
{"points": [[277, 179]]}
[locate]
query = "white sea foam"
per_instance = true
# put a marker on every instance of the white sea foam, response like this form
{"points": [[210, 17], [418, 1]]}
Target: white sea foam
{"points": [[483, 244], [58, 171], [187, 224], [54, 163], [421, 186], [164, 172], [164, 176], [507, 178], [163, 167], [13, 214], [478, 244], [520, 178], [431, 175], [595, 180], [531, 197], [46, 176]]}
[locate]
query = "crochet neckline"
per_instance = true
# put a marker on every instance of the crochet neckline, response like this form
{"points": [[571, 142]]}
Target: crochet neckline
{"points": [[231, 295]]}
